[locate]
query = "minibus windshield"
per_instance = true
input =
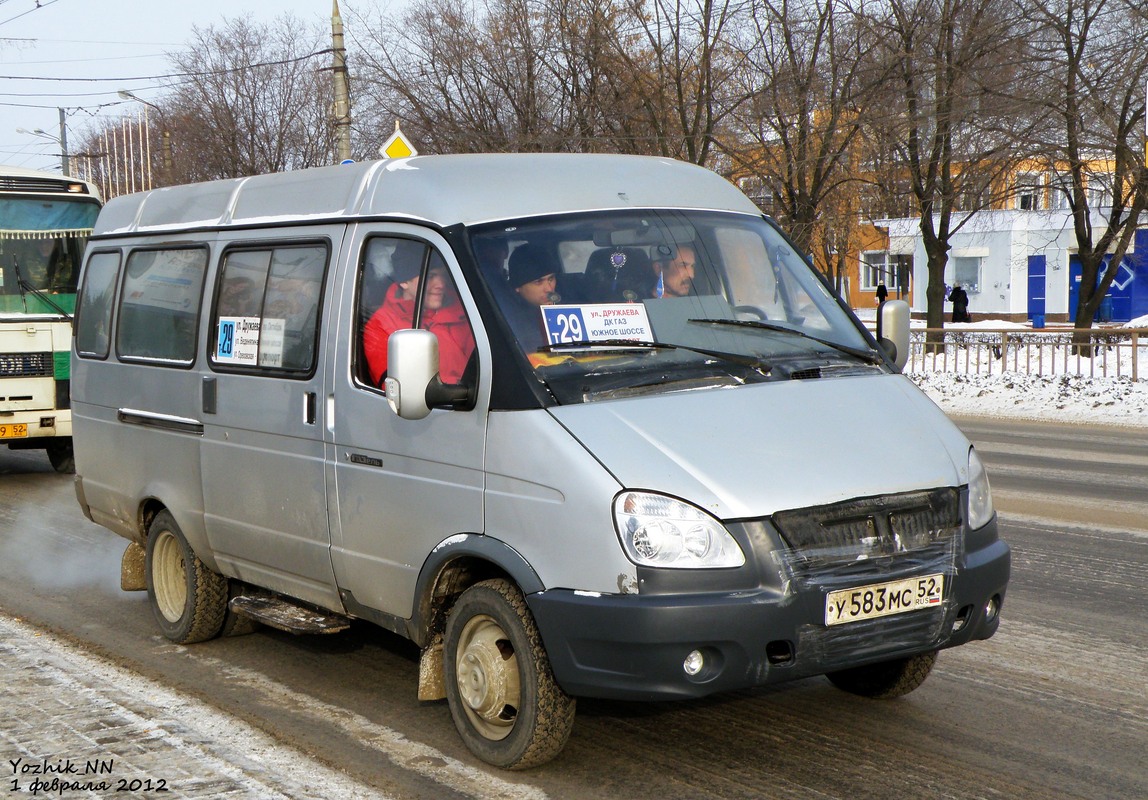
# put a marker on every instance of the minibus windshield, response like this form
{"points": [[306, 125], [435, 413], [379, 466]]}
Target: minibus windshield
{"points": [[611, 304]]}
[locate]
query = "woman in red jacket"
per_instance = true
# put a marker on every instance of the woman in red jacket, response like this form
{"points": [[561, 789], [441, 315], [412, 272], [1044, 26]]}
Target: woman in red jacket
{"points": [[442, 314]]}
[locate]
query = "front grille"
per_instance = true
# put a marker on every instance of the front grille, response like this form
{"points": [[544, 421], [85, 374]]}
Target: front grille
{"points": [[871, 528], [872, 540], [26, 365]]}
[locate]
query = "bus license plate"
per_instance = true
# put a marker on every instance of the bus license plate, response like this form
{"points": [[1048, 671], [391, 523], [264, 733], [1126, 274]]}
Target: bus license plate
{"points": [[884, 599], [16, 430]]}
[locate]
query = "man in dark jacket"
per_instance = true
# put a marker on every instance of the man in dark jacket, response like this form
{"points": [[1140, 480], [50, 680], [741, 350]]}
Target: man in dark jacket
{"points": [[960, 301]]}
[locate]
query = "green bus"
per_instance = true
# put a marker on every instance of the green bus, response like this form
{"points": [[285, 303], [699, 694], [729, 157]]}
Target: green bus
{"points": [[45, 220]]}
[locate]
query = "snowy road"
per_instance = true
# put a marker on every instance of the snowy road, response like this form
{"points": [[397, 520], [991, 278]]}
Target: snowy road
{"points": [[1086, 474], [1053, 706]]}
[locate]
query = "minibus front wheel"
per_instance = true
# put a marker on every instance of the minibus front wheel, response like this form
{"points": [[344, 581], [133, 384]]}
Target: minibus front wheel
{"points": [[886, 679], [503, 698], [188, 599]]}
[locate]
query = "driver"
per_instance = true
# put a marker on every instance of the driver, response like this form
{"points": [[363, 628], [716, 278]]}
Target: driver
{"points": [[674, 270]]}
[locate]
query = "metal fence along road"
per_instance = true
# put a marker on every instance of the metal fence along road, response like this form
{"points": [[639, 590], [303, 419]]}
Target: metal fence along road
{"points": [[1112, 352]]}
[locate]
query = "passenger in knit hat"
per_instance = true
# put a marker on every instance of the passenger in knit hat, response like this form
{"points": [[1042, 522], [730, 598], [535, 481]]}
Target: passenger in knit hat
{"points": [[534, 274], [406, 260]]}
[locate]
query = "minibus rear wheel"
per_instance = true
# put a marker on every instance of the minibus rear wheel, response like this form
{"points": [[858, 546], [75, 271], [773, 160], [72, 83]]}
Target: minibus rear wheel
{"points": [[503, 698], [188, 599], [61, 457], [887, 679]]}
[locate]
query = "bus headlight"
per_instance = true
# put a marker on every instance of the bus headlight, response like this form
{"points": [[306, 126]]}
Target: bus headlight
{"points": [[980, 495], [660, 531]]}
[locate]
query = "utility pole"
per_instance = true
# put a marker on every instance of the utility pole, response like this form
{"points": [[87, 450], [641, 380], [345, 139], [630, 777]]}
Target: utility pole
{"points": [[64, 166], [341, 110]]}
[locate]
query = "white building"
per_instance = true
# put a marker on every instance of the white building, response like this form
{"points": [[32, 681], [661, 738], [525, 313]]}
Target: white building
{"points": [[1018, 264]]}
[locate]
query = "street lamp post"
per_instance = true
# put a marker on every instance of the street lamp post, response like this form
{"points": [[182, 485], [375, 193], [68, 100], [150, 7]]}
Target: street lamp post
{"points": [[165, 134], [61, 140]]}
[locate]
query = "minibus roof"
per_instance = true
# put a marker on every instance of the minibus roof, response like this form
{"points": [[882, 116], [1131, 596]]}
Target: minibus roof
{"points": [[441, 190]]}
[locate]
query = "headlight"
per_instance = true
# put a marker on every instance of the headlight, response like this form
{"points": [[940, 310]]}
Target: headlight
{"points": [[980, 495], [659, 531]]}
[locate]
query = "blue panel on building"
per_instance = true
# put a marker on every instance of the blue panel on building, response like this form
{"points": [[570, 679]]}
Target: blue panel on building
{"points": [[1139, 263], [1127, 297], [1037, 268]]}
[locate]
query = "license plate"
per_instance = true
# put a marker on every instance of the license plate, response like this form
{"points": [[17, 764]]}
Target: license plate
{"points": [[884, 599], [17, 430]]}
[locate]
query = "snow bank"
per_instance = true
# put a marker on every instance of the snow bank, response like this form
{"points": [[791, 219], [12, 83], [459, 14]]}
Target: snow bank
{"points": [[1063, 398]]}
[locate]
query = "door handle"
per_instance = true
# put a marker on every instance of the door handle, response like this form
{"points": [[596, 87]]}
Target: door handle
{"points": [[209, 395], [310, 408]]}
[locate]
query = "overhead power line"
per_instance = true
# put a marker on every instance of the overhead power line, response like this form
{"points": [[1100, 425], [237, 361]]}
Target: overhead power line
{"points": [[56, 94], [39, 4], [173, 75]]}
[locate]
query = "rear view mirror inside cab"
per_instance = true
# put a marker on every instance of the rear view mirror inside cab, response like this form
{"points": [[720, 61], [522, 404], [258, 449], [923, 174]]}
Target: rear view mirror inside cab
{"points": [[644, 235]]}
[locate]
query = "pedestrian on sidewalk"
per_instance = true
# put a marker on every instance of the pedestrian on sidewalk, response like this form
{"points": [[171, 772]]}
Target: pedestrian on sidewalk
{"points": [[960, 301]]}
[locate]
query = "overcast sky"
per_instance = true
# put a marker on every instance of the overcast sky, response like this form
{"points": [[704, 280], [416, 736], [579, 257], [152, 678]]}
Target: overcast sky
{"points": [[121, 42]]}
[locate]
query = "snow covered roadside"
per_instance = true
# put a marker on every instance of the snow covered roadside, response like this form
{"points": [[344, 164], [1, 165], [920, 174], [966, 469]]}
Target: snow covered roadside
{"points": [[1046, 398], [1060, 398]]}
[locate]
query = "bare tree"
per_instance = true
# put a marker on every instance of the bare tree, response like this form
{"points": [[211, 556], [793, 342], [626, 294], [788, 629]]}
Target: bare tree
{"points": [[252, 98], [1092, 67], [462, 76], [955, 118], [615, 75], [596, 49], [808, 77], [686, 66], [257, 100]]}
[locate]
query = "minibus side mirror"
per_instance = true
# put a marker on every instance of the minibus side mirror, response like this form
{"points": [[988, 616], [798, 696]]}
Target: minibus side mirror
{"points": [[893, 331], [413, 387]]}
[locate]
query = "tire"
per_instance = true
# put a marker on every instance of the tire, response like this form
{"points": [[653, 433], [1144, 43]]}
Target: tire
{"points": [[887, 679], [189, 600], [505, 703], [236, 624], [62, 458]]}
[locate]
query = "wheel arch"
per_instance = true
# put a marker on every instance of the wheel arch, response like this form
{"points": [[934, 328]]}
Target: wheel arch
{"points": [[456, 564], [149, 507], [190, 524]]}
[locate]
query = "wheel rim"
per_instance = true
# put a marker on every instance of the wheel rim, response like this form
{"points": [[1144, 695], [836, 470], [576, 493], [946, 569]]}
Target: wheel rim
{"points": [[486, 670], [168, 575]]}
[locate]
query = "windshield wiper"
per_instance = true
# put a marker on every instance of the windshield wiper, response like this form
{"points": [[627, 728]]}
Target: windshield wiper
{"points": [[865, 355], [26, 287], [753, 362]]}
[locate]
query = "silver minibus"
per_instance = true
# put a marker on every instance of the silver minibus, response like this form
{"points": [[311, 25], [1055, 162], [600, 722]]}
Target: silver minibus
{"points": [[576, 425]]}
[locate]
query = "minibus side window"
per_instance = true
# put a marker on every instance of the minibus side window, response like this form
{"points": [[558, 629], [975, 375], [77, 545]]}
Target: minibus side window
{"points": [[388, 288], [294, 286], [267, 308], [94, 312], [403, 283], [440, 311], [159, 304]]}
